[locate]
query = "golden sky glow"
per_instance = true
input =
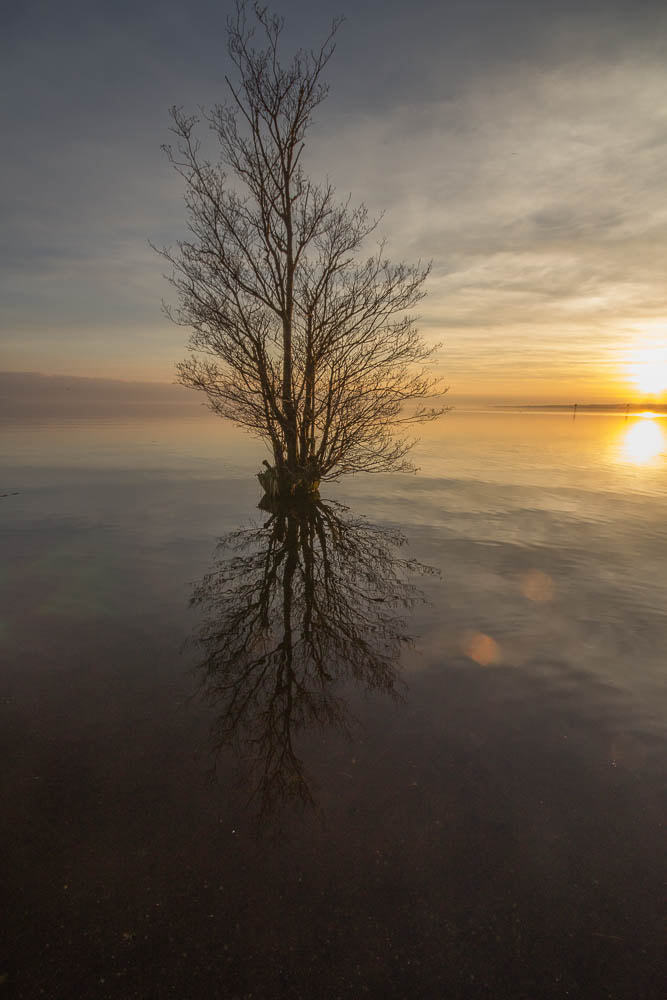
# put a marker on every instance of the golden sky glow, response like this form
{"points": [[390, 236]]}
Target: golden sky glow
{"points": [[647, 370]]}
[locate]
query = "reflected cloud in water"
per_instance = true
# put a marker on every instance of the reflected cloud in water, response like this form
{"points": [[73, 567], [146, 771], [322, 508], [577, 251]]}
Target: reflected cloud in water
{"points": [[291, 610]]}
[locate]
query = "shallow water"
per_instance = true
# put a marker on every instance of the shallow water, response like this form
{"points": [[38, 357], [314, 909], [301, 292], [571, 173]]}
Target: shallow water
{"points": [[463, 796]]}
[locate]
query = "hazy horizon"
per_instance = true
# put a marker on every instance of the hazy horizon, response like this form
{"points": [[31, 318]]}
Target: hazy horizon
{"points": [[26, 393]]}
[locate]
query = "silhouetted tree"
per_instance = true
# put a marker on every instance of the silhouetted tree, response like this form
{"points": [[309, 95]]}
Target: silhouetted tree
{"points": [[290, 611], [295, 338]]}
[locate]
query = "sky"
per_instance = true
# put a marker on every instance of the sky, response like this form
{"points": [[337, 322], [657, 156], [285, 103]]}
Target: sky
{"points": [[520, 145]]}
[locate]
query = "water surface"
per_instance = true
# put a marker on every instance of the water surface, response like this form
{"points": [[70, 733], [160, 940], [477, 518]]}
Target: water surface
{"points": [[462, 728]]}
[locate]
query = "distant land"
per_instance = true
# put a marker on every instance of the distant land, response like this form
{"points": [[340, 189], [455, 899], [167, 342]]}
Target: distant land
{"points": [[634, 408], [39, 396], [32, 394], [29, 394]]}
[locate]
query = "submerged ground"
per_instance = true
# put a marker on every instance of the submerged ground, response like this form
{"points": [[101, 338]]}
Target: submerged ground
{"points": [[483, 818]]}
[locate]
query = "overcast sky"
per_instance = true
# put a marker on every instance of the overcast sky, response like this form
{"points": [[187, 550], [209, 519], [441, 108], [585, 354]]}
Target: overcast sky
{"points": [[519, 144]]}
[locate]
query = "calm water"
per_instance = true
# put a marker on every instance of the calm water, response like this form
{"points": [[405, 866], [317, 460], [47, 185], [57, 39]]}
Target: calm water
{"points": [[409, 744]]}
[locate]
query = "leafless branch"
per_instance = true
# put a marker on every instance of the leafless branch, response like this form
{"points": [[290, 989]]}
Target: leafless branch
{"points": [[294, 337]]}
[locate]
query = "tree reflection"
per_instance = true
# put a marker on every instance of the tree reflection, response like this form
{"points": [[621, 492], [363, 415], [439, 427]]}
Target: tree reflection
{"points": [[291, 610]]}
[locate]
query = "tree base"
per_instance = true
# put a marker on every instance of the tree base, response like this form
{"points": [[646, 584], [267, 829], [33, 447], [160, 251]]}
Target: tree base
{"points": [[280, 485]]}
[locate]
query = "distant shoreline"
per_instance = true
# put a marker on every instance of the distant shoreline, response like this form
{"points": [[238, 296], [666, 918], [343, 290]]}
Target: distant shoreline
{"points": [[36, 395], [29, 394], [632, 409]]}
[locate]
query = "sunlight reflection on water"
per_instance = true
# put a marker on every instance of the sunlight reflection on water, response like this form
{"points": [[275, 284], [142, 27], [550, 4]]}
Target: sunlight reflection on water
{"points": [[643, 442]]}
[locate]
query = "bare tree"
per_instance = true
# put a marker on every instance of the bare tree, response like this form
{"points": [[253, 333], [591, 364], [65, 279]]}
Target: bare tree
{"points": [[294, 337]]}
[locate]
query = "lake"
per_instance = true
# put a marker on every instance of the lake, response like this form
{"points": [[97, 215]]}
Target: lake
{"points": [[410, 743]]}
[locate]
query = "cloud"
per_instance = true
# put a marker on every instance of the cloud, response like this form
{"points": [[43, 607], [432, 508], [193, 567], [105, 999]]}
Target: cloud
{"points": [[540, 199], [519, 146]]}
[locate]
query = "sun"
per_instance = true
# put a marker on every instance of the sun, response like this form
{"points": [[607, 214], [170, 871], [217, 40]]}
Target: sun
{"points": [[647, 368]]}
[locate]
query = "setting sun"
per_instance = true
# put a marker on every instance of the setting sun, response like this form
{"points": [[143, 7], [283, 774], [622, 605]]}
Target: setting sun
{"points": [[647, 368]]}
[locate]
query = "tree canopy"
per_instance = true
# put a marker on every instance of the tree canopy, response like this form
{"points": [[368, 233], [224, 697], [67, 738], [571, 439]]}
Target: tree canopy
{"points": [[295, 335]]}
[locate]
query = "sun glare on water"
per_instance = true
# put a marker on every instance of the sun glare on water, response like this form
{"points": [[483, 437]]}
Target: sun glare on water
{"points": [[643, 441]]}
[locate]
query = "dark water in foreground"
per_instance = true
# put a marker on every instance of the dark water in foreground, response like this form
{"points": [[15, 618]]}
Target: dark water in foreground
{"points": [[479, 813]]}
